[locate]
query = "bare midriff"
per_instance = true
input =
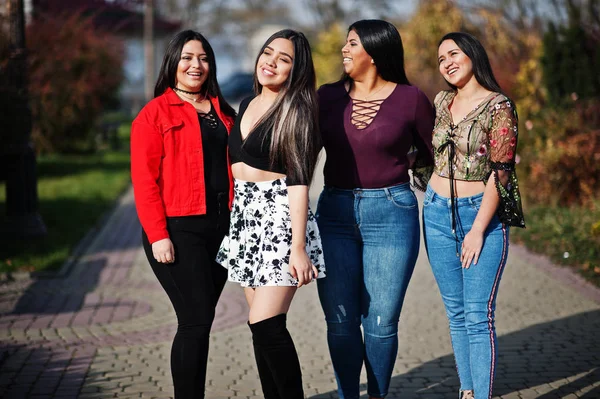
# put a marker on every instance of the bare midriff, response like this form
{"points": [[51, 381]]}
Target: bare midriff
{"points": [[244, 172], [463, 188]]}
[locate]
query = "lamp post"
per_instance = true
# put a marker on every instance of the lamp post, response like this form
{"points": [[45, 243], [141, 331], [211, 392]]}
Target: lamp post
{"points": [[22, 217]]}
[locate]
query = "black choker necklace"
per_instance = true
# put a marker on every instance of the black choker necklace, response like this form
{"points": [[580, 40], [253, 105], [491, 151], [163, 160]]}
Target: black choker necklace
{"points": [[187, 92]]}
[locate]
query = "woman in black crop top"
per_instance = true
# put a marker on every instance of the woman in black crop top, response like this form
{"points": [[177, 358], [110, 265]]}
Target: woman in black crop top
{"points": [[273, 246]]}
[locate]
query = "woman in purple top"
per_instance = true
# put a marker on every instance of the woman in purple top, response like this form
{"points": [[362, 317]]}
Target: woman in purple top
{"points": [[375, 126]]}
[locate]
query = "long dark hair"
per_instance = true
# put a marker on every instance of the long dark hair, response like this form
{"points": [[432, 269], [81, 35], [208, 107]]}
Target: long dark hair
{"points": [[478, 56], [293, 117], [382, 41], [167, 77]]}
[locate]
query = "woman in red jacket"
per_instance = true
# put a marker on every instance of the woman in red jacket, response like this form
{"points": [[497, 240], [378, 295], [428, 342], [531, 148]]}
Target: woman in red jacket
{"points": [[183, 188]]}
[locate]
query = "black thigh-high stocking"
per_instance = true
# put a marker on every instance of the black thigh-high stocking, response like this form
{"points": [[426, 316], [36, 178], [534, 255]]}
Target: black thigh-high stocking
{"points": [[277, 359]]}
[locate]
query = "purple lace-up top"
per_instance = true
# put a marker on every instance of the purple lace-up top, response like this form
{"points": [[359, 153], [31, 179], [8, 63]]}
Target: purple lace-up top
{"points": [[377, 155]]}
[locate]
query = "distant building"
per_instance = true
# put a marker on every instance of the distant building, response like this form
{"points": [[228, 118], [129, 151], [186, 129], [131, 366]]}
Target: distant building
{"points": [[125, 19]]}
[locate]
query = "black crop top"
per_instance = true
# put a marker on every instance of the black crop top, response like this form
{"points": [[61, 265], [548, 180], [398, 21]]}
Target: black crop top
{"points": [[255, 150]]}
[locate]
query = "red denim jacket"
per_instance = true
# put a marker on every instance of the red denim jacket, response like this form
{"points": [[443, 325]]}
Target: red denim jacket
{"points": [[167, 163]]}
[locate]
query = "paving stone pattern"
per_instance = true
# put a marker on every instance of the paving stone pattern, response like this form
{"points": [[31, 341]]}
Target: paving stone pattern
{"points": [[104, 330]]}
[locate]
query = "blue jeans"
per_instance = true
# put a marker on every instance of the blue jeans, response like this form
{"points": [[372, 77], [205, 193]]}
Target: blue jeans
{"points": [[469, 295], [370, 241]]}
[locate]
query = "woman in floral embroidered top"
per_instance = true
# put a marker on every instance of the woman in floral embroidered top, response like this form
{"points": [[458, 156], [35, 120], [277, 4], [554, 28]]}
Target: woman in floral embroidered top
{"points": [[470, 202]]}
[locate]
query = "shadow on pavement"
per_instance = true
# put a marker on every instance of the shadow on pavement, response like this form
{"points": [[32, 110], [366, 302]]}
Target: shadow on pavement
{"points": [[41, 372], [60, 301], [554, 359]]}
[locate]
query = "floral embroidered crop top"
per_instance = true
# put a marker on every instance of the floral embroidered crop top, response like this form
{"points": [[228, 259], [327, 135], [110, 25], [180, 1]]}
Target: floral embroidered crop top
{"points": [[484, 141]]}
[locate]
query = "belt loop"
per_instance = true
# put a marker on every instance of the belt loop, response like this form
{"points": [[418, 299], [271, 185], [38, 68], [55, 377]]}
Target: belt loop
{"points": [[388, 193]]}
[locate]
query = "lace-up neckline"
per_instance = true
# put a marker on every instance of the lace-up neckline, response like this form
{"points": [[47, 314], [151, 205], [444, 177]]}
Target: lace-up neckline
{"points": [[364, 111], [210, 118]]}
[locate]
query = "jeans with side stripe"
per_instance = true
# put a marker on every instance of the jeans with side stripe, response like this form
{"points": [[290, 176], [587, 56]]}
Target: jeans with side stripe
{"points": [[469, 295]]}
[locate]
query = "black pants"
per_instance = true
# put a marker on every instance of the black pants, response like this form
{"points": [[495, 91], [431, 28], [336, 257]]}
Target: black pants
{"points": [[193, 283]]}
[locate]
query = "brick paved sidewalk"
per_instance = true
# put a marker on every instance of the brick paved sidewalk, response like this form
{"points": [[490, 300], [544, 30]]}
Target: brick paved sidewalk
{"points": [[53, 330], [105, 329]]}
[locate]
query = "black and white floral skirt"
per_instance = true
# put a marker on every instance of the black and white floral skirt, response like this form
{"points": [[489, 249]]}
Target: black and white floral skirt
{"points": [[257, 249]]}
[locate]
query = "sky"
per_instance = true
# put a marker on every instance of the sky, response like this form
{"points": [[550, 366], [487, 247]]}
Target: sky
{"points": [[401, 7], [228, 64]]}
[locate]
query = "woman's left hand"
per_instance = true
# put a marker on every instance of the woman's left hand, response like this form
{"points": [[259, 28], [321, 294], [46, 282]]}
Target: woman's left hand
{"points": [[471, 248], [301, 268]]}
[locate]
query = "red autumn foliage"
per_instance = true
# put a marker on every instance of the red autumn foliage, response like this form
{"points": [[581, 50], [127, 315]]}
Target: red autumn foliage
{"points": [[75, 71], [565, 166]]}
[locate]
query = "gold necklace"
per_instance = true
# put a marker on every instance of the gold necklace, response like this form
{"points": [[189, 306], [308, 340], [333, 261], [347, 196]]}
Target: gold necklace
{"points": [[182, 93], [366, 98], [196, 100]]}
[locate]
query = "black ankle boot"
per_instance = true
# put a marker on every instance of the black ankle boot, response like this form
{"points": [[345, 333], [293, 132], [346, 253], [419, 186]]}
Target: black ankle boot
{"points": [[276, 359]]}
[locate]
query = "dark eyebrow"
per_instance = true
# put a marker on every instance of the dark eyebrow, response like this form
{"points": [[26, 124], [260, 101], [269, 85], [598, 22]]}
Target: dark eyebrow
{"points": [[286, 54], [448, 52], [188, 53]]}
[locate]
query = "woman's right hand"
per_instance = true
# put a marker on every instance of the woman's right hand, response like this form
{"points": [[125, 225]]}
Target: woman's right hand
{"points": [[163, 251], [301, 268]]}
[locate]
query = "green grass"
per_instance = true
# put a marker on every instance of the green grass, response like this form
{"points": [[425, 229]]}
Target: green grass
{"points": [[74, 191], [565, 235]]}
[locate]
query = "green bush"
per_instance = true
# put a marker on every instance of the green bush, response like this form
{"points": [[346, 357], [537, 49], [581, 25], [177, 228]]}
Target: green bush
{"points": [[571, 61], [560, 145], [74, 191], [568, 235]]}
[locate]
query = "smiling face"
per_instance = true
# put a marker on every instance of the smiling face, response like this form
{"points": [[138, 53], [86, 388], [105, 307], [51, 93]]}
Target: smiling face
{"points": [[275, 63], [356, 59], [193, 69], [454, 64]]}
